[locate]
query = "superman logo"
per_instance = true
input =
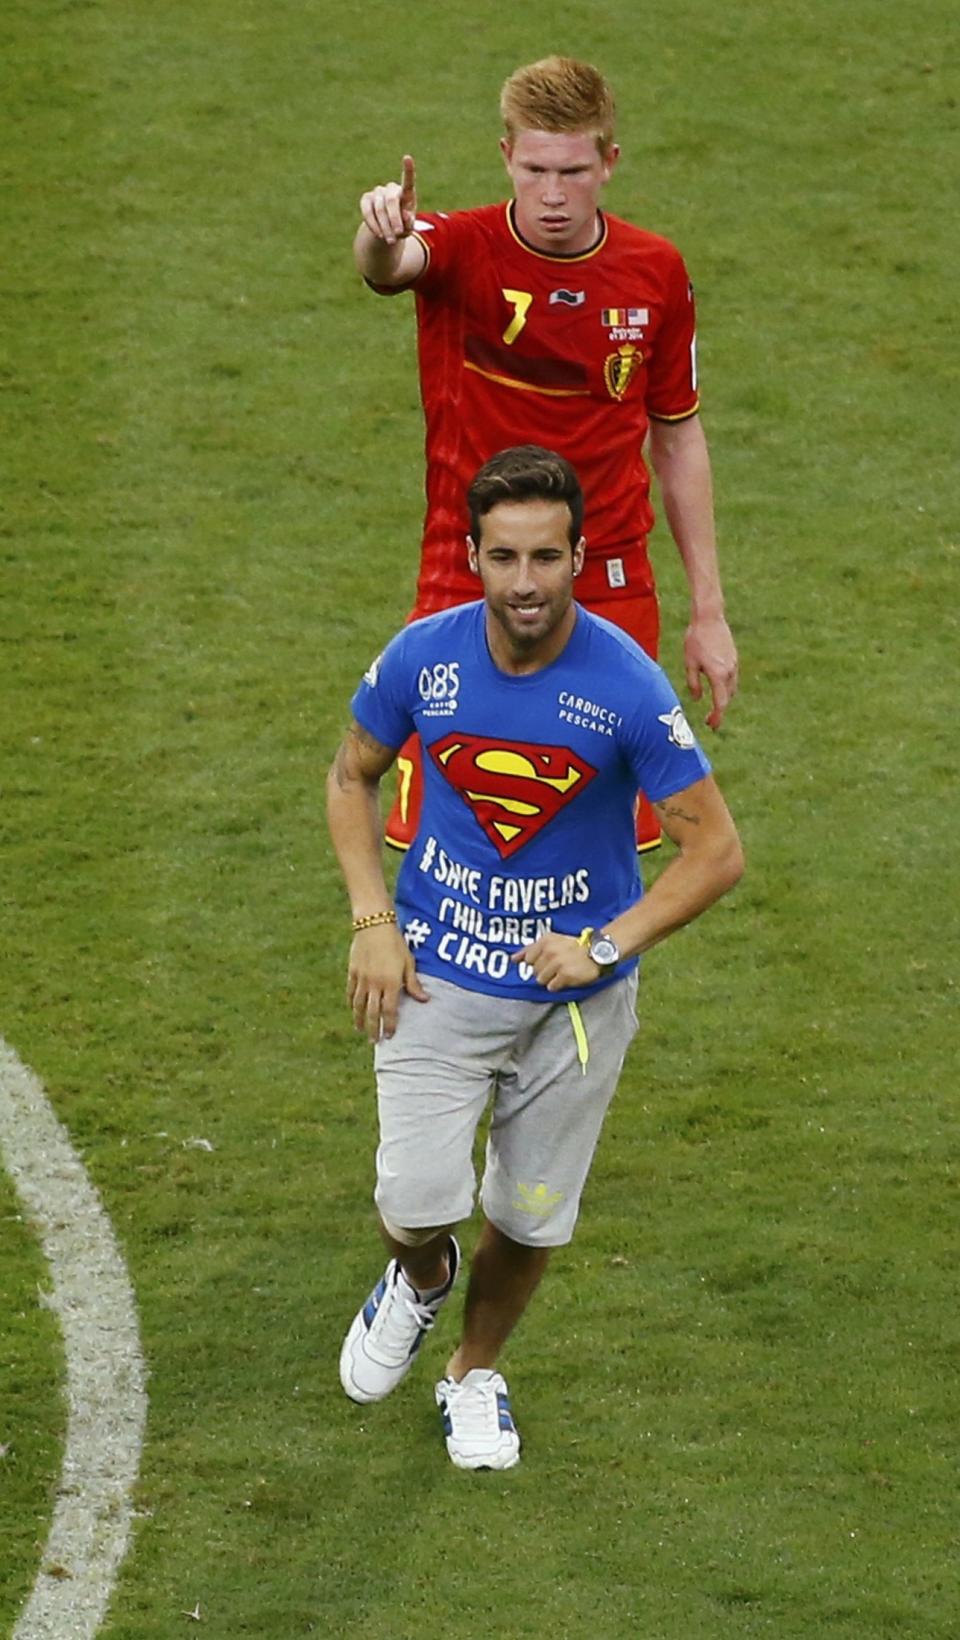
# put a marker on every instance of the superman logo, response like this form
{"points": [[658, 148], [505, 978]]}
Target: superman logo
{"points": [[513, 788]]}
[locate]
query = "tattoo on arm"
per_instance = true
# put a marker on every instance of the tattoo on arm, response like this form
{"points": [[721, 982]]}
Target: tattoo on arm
{"points": [[357, 750], [340, 767], [369, 744], [674, 811]]}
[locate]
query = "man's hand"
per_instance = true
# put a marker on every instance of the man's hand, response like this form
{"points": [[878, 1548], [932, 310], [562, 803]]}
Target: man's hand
{"points": [[709, 649], [381, 967], [559, 962], [390, 210]]}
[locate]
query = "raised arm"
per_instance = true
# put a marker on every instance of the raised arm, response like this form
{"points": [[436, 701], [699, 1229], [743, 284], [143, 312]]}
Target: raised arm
{"points": [[681, 460], [384, 249], [380, 965]]}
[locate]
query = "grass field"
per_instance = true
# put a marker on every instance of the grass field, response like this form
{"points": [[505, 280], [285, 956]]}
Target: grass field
{"points": [[738, 1386]]}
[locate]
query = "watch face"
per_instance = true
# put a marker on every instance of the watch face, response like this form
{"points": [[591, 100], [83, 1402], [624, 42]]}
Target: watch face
{"points": [[604, 951]]}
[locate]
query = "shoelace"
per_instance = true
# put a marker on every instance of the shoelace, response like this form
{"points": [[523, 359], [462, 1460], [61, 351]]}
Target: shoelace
{"points": [[422, 1314], [386, 1318], [475, 1409]]}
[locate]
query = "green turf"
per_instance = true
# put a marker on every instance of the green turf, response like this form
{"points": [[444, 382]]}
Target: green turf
{"points": [[737, 1387]]}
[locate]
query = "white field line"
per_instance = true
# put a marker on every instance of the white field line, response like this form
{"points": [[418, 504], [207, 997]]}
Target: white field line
{"points": [[106, 1376]]}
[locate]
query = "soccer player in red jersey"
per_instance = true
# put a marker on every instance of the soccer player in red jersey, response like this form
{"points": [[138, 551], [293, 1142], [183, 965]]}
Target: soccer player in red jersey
{"points": [[546, 320]]}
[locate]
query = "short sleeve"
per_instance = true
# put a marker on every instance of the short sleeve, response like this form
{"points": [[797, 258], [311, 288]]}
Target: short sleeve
{"points": [[439, 234], [672, 367], [656, 738], [447, 239], [381, 704]]}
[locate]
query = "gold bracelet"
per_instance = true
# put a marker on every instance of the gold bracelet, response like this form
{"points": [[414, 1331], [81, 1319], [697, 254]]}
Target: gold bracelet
{"points": [[375, 920]]}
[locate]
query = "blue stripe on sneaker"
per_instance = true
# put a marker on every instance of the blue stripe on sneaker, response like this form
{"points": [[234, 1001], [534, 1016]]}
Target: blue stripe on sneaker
{"points": [[503, 1409], [374, 1301]]}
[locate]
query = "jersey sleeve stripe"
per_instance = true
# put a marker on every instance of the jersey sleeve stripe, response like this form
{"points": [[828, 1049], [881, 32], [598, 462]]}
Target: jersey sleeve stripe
{"points": [[683, 416], [422, 240]]}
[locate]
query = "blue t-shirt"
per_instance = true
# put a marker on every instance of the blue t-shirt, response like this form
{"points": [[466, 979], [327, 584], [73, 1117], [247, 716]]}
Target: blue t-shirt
{"points": [[527, 823]]}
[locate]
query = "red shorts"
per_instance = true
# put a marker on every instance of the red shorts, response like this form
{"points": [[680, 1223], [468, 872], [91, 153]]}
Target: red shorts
{"points": [[637, 616]]}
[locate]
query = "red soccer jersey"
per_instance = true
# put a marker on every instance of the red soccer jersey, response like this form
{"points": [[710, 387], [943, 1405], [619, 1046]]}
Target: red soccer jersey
{"points": [[576, 353]]}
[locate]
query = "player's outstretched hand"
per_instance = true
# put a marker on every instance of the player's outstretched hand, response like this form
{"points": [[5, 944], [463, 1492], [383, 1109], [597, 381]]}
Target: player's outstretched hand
{"points": [[559, 962], [709, 651], [381, 968], [390, 209]]}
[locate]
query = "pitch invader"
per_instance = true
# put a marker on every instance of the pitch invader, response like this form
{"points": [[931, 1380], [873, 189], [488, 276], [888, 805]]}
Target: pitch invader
{"points": [[506, 967], [545, 319]]}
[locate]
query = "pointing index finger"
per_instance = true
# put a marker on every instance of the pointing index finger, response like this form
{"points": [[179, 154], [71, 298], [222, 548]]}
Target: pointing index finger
{"points": [[409, 175]]}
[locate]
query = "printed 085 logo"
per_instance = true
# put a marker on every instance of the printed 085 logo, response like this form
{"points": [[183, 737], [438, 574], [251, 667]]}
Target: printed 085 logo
{"points": [[439, 688]]}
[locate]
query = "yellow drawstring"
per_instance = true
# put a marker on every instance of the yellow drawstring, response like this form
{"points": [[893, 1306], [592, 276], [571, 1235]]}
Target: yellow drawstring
{"points": [[580, 1036]]}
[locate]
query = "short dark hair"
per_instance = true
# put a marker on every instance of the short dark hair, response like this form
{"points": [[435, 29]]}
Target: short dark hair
{"points": [[525, 472]]}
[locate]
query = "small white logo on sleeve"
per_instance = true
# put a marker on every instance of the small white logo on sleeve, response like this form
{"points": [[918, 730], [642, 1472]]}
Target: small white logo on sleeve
{"points": [[616, 575], [373, 672], [679, 731]]}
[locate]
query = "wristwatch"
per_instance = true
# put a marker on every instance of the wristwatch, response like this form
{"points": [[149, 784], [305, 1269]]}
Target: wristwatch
{"points": [[601, 949]]}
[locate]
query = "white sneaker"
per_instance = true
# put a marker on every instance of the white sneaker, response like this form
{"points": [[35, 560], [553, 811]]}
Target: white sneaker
{"points": [[387, 1332], [477, 1421]]}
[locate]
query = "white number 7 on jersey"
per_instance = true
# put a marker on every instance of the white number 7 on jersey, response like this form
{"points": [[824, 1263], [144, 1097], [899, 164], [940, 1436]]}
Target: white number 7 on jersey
{"points": [[520, 301]]}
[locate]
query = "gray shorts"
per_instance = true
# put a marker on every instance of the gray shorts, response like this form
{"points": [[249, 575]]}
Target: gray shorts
{"points": [[550, 1095]]}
